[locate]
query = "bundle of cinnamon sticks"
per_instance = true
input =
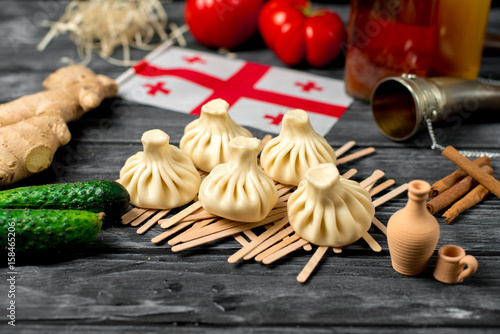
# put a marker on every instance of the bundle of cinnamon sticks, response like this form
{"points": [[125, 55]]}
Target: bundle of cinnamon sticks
{"points": [[465, 187]]}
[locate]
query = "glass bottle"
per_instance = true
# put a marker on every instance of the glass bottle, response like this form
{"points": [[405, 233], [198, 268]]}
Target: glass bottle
{"points": [[387, 38], [460, 38]]}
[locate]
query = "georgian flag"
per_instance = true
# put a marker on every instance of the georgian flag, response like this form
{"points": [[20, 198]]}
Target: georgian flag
{"points": [[183, 80]]}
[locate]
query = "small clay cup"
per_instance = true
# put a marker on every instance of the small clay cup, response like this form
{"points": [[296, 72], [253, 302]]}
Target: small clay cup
{"points": [[450, 265]]}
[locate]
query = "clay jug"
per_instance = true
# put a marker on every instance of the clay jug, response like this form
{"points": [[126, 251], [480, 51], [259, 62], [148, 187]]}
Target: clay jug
{"points": [[412, 232]]}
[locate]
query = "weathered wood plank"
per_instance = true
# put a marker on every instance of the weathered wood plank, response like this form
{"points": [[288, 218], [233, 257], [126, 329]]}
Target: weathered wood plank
{"points": [[167, 288], [124, 283]]}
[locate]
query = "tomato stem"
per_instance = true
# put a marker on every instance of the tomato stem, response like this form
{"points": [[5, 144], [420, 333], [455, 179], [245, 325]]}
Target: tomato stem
{"points": [[308, 11]]}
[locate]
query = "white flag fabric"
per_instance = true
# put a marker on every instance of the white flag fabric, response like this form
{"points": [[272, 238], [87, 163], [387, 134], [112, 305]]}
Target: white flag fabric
{"points": [[182, 80]]}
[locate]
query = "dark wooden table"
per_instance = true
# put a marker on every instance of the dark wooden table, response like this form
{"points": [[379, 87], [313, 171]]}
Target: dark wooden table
{"points": [[124, 283]]}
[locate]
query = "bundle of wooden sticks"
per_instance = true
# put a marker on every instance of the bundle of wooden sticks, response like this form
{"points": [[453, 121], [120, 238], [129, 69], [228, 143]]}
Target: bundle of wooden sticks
{"points": [[465, 187]]}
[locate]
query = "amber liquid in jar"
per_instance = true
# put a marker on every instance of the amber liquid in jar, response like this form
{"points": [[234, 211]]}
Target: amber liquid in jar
{"points": [[460, 38], [387, 38]]}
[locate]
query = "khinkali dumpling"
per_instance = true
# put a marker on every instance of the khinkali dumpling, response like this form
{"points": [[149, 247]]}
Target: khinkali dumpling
{"points": [[329, 210], [160, 177], [287, 157], [239, 189], [206, 138]]}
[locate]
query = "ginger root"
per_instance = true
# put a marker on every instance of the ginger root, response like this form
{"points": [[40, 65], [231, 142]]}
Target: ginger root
{"points": [[27, 147], [33, 127], [70, 92]]}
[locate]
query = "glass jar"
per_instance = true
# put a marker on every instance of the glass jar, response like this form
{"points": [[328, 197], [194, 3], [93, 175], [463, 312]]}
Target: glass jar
{"points": [[387, 38], [460, 38]]}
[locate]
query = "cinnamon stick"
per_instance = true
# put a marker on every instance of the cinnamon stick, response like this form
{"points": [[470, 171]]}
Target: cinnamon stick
{"points": [[452, 194], [448, 181], [488, 181], [475, 196]]}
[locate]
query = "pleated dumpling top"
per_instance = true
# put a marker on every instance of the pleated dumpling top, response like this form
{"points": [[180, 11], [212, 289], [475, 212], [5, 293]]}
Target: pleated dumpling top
{"points": [[239, 189], [206, 139], [329, 210], [160, 177], [287, 157]]}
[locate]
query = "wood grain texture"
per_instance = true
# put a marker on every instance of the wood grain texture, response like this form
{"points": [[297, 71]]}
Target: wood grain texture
{"points": [[124, 283]]}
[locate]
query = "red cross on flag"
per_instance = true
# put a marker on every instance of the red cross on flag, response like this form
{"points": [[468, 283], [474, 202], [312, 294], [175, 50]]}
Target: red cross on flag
{"points": [[182, 80]]}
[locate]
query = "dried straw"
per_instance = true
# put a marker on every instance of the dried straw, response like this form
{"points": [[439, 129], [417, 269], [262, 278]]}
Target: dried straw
{"points": [[102, 26]]}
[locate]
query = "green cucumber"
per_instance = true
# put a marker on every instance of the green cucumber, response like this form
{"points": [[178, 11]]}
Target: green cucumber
{"points": [[96, 196], [25, 230]]}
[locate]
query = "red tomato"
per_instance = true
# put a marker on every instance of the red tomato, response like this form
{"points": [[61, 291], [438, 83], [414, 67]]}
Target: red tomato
{"points": [[294, 32], [222, 23]]}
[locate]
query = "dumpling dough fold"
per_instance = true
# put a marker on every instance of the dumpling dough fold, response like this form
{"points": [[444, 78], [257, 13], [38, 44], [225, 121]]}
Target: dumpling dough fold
{"points": [[239, 189], [206, 138], [287, 157], [160, 177], [329, 210]]}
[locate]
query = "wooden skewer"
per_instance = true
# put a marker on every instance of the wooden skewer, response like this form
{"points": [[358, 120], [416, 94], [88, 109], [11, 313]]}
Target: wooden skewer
{"points": [[238, 237], [225, 224], [257, 241], [370, 181], [350, 173], [284, 190], [143, 217], [215, 236], [284, 251], [372, 242], [250, 235], [281, 204], [311, 264], [369, 187], [152, 221], [159, 214], [166, 223], [307, 247], [217, 226], [269, 242], [384, 185], [132, 214], [337, 250], [283, 198], [170, 231], [379, 225], [199, 224], [203, 214], [390, 195], [356, 155], [266, 138], [282, 185], [277, 247], [344, 148]]}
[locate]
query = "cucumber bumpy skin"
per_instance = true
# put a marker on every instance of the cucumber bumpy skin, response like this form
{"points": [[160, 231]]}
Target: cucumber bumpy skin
{"points": [[25, 230], [105, 196]]}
